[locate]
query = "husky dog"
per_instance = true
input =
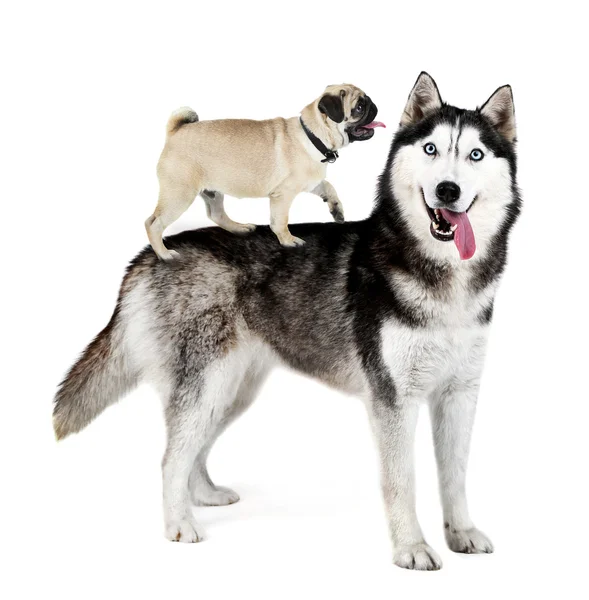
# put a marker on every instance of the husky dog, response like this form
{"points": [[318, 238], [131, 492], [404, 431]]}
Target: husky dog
{"points": [[387, 308]]}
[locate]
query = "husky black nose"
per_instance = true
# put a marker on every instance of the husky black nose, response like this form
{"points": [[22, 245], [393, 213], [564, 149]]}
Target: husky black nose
{"points": [[448, 191]]}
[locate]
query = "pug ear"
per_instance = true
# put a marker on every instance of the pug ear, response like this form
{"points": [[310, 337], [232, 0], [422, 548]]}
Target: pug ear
{"points": [[500, 111], [423, 100], [333, 107]]}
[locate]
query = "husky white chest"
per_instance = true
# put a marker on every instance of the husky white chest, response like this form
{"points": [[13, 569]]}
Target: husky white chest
{"points": [[422, 360]]}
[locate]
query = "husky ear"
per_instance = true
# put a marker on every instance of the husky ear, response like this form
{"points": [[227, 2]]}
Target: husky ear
{"points": [[423, 100], [332, 106], [499, 110]]}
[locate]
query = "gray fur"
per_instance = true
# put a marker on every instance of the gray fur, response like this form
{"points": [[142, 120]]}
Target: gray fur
{"points": [[101, 376]]}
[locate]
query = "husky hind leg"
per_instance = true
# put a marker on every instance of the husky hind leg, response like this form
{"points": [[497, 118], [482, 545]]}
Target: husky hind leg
{"points": [[204, 491], [196, 412]]}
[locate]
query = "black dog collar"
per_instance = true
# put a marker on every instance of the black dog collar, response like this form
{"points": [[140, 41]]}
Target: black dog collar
{"points": [[330, 155]]}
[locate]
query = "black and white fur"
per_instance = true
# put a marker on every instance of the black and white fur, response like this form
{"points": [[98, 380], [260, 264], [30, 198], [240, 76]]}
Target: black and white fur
{"points": [[377, 308]]}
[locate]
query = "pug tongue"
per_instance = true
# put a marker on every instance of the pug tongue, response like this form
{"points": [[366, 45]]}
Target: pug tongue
{"points": [[464, 235], [373, 125]]}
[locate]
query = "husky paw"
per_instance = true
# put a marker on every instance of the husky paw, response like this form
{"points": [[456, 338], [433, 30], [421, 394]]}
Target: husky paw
{"points": [[418, 556], [169, 255], [337, 212], [185, 530], [468, 541], [217, 496]]}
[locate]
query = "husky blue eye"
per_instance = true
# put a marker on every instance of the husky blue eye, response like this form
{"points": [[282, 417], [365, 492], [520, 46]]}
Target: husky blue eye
{"points": [[430, 149], [476, 155]]}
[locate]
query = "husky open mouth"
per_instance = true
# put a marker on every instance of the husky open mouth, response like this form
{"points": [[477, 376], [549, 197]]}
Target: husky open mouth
{"points": [[447, 225]]}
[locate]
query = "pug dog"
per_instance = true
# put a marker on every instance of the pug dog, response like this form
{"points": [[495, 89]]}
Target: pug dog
{"points": [[278, 158]]}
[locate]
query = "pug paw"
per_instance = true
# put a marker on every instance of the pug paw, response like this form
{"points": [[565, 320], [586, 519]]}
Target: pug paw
{"points": [[292, 242], [337, 211]]}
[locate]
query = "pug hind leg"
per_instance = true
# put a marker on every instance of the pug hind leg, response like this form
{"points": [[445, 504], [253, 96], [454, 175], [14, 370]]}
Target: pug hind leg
{"points": [[328, 194], [168, 210], [216, 213]]}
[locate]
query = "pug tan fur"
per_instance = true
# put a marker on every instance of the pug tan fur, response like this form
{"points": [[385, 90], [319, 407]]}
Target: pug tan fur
{"points": [[253, 159]]}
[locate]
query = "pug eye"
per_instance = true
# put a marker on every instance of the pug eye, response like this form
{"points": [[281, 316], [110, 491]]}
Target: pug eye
{"points": [[359, 108], [476, 155], [430, 149]]}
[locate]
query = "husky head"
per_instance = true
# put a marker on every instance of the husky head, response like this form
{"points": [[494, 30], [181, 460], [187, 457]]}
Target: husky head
{"points": [[452, 172]]}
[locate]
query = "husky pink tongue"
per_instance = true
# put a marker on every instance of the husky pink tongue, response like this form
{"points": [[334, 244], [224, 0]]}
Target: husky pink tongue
{"points": [[464, 235], [373, 125]]}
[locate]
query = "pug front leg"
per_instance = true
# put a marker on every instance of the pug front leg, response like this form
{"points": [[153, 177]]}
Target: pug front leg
{"points": [[328, 194], [279, 206]]}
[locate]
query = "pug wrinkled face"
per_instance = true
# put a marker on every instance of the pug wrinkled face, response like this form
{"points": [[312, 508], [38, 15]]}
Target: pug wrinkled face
{"points": [[351, 111]]}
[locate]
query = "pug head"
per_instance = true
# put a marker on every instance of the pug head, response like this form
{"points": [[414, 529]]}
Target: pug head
{"points": [[346, 110]]}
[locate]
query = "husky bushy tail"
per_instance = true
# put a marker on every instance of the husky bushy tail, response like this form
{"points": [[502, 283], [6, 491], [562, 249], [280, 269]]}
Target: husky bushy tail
{"points": [[98, 379]]}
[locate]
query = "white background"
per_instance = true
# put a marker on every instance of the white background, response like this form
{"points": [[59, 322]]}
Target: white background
{"points": [[87, 89]]}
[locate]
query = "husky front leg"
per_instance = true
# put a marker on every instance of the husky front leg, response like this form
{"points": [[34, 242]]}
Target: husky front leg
{"points": [[452, 416], [394, 420], [328, 194]]}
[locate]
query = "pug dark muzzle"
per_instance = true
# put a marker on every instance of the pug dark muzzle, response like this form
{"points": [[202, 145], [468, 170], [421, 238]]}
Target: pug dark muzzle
{"points": [[361, 130]]}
